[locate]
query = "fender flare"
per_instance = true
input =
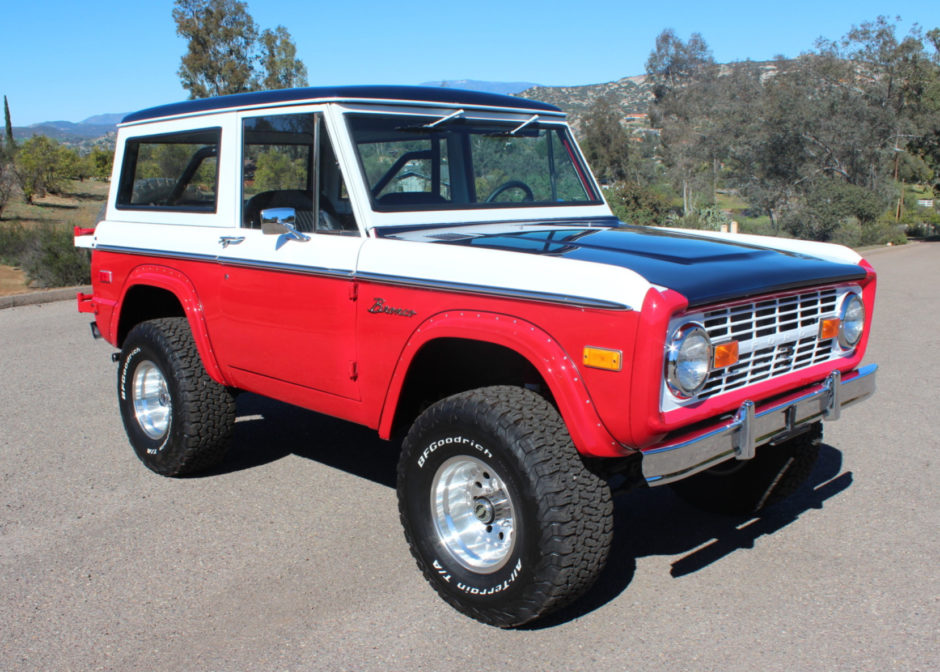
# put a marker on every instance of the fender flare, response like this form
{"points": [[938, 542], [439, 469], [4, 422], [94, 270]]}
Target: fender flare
{"points": [[178, 284], [548, 357]]}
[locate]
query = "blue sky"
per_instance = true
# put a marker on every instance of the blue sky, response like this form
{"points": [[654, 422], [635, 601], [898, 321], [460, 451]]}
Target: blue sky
{"points": [[68, 60]]}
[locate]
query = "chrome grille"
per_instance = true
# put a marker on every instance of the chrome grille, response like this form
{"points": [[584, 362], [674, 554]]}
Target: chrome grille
{"points": [[775, 336]]}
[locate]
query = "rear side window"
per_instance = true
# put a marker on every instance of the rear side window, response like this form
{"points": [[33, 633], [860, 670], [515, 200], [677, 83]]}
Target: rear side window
{"points": [[174, 171]]}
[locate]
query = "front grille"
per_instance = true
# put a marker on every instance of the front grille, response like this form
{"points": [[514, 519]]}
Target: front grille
{"points": [[775, 336]]}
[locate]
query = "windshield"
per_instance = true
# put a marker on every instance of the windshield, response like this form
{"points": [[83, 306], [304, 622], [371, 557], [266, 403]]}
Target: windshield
{"points": [[451, 162]]}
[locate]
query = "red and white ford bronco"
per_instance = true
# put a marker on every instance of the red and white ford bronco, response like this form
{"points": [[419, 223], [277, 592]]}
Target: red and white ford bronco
{"points": [[440, 265]]}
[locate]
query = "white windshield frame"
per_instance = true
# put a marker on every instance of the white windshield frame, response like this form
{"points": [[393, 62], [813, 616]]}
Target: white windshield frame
{"points": [[373, 219]]}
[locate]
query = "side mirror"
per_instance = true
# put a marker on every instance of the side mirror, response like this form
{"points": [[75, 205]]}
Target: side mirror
{"points": [[280, 221]]}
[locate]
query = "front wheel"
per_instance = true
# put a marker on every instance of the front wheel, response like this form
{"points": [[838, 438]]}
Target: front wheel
{"points": [[502, 516], [176, 417]]}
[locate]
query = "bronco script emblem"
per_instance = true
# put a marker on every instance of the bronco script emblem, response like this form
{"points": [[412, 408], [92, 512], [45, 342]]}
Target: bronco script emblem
{"points": [[380, 307]]}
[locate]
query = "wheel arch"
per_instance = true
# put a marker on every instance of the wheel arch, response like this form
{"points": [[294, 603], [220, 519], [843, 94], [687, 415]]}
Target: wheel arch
{"points": [[517, 352], [152, 292]]}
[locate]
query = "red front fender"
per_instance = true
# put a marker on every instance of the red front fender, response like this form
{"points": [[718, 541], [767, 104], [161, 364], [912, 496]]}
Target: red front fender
{"points": [[535, 345]]}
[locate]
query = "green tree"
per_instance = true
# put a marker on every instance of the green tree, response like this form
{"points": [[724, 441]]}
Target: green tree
{"points": [[605, 142], [684, 79], [277, 170], [38, 165], [673, 63], [71, 165], [220, 56], [100, 161], [226, 54], [926, 144], [282, 68], [818, 142], [9, 146]]}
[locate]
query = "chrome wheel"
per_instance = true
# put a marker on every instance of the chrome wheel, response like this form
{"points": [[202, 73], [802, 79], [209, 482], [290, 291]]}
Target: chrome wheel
{"points": [[473, 514], [151, 398]]}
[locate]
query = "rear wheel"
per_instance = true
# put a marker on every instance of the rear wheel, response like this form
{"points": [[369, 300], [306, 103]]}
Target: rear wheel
{"points": [[772, 475], [499, 511], [177, 418]]}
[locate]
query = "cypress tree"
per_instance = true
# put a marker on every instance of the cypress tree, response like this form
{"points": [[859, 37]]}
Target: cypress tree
{"points": [[10, 144]]}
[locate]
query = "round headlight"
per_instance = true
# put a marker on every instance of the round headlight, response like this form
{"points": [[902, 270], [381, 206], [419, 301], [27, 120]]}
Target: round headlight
{"points": [[852, 321], [688, 360]]}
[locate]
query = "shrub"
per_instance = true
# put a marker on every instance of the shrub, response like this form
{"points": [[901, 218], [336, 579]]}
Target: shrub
{"points": [[883, 231], [635, 204], [52, 260], [13, 244], [7, 184], [46, 253]]}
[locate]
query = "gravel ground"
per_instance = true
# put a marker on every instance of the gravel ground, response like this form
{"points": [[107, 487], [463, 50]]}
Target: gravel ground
{"points": [[290, 557]]}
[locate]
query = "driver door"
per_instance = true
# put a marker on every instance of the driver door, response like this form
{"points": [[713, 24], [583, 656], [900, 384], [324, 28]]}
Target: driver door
{"points": [[285, 304]]}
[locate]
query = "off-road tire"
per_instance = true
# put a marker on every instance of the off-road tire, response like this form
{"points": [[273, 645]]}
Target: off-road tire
{"points": [[748, 486], [563, 515], [201, 412]]}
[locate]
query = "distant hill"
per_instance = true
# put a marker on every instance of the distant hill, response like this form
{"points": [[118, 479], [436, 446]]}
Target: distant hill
{"points": [[505, 88], [105, 119], [96, 130], [63, 131], [633, 96], [632, 93]]}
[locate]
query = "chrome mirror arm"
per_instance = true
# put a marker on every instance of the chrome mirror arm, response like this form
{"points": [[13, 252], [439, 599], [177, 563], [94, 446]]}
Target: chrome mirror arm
{"points": [[280, 221]]}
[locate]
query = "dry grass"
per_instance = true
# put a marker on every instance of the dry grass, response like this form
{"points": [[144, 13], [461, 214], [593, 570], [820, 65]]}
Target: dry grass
{"points": [[78, 205], [12, 281]]}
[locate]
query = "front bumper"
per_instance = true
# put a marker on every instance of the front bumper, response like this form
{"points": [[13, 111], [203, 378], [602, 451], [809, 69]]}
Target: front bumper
{"points": [[751, 426]]}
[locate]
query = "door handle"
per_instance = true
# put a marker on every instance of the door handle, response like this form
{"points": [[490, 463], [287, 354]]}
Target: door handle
{"points": [[225, 241]]}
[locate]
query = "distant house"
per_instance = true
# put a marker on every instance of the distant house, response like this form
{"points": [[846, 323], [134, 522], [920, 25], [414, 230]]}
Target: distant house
{"points": [[636, 118]]}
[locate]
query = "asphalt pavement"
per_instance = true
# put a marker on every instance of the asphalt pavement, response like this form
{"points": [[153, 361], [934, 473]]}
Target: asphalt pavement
{"points": [[290, 557]]}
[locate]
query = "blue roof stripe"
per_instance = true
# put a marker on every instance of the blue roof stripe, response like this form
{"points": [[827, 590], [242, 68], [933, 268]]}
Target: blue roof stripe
{"points": [[420, 94]]}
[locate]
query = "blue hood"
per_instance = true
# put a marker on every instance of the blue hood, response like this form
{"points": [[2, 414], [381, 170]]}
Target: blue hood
{"points": [[704, 270]]}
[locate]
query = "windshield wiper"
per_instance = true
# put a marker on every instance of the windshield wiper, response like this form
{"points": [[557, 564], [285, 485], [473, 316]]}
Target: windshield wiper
{"points": [[447, 117], [517, 130], [525, 123]]}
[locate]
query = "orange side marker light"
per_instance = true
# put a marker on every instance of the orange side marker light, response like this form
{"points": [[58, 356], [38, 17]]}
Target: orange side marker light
{"points": [[603, 358]]}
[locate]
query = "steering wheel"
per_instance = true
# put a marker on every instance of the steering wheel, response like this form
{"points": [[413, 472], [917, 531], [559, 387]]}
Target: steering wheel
{"points": [[512, 184]]}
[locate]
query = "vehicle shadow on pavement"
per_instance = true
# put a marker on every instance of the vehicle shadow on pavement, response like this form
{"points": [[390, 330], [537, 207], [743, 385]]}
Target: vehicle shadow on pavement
{"points": [[267, 430], [647, 521], [655, 521]]}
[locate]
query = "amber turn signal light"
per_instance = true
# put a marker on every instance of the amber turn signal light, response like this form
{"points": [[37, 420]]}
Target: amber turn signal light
{"points": [[603, 358], [829, 328], [726, 354]]}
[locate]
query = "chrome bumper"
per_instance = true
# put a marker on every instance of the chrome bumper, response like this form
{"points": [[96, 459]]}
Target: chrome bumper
{"points": [[738, 437]]}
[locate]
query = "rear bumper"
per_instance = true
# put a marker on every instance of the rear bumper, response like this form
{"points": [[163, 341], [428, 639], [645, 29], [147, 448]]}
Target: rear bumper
{"points": [[752, 426]]}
